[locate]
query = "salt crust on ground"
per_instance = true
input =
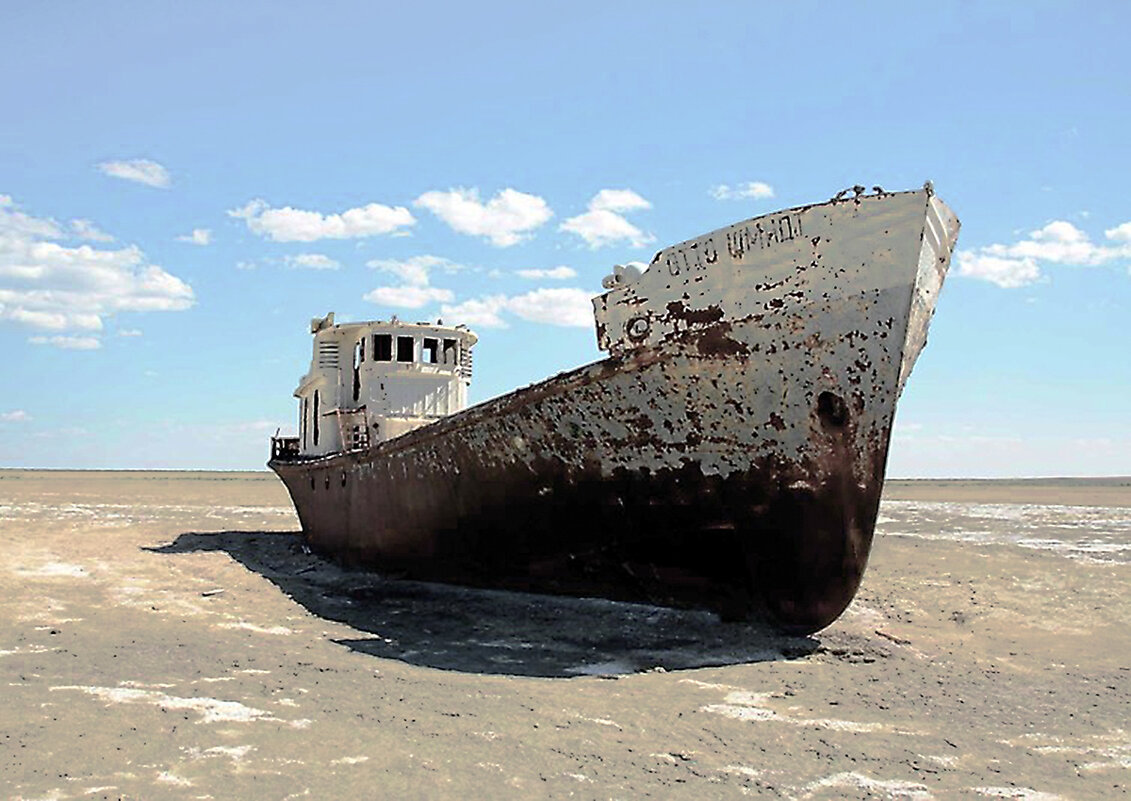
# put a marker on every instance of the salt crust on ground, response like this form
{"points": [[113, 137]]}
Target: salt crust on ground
{"points": [[145, 654]]}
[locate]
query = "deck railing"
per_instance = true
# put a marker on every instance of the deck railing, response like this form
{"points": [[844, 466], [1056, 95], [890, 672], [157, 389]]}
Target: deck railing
{"points": [[283, 448]]}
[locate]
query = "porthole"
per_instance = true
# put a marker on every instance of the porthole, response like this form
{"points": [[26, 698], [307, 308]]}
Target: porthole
{"points": [[832, 410]]}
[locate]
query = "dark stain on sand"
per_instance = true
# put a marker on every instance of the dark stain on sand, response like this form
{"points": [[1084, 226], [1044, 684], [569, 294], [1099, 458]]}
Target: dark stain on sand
{"points": [[494, 631]]}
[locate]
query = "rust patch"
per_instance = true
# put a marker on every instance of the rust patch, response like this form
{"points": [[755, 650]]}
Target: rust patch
{"points": [[716, 341], [677, 310]]}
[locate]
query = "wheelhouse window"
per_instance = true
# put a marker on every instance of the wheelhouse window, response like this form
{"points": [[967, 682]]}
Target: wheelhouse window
{"points": [[431, 351], [405, 349], [451, 352], [383, 347]]}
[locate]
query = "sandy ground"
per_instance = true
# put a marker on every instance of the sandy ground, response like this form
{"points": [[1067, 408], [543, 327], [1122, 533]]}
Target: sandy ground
{"points": [[165, 636]]}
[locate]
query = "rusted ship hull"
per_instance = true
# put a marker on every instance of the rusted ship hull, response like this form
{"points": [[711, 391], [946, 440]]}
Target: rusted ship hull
{"points": [[733, 457]]}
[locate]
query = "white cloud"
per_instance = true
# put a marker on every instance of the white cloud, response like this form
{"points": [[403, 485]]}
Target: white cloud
{"points": [[756, 190], [556, 273], [142, 171], [246, 265], [482, 312], [1059, 242], [14, 223], [310, 261], [619, 200], [15, 416], [1120, 233], [50, 321], [129, 332], [296, 225], [558, 306], [85, 229], [1006, 273], [68, 342], [408, 297], [415, 273], [52, 287], [415, 270], [199, 236], [504, 220], [599, 228], [603, 223], [552, 306]]}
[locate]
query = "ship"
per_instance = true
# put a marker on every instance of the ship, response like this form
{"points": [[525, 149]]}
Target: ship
{"points": [[727, 453]]}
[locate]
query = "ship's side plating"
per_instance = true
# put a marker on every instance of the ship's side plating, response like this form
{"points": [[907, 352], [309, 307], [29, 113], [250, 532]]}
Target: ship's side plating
{"points": [[730, 451]]}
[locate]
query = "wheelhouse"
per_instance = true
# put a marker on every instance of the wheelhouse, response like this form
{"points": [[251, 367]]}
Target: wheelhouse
{"points": [[372, 381]]}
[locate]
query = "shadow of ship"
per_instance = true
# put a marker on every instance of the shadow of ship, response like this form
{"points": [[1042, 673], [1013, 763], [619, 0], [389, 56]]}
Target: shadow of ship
{"points": [[494, 631]]}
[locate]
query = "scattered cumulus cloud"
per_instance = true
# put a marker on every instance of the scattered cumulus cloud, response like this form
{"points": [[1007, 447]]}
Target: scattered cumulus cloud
{"points": [[297, 225], [506, 219], [15, 416], [556, 306], [68, 342], [85, 229], [604, 222], [415, 275], [53, 287], [416, 270], [618, 200], [559, 306], [408, 297], [129, 332], [16, 224], [555, 273], [49, 320], [199, 236], [1006, 273], [1060, 242], [755, 190], [142, 171], [310, 261], [553, 306], [1120, 233], [485, 312]]}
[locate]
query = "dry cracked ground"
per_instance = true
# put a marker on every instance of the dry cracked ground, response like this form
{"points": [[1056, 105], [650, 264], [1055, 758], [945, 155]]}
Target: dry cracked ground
{"points": [[165, 635]]}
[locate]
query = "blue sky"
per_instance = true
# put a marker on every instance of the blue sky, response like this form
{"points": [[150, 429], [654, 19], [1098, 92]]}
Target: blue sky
{"points": [[183, 186]]}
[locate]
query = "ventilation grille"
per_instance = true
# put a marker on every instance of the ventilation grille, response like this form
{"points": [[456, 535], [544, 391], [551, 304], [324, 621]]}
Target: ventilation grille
{"points": [[328, 354], [465, 361]]}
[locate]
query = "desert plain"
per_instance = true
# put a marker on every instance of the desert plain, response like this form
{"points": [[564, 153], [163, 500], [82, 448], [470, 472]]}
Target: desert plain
{"points": [[166, 635]]}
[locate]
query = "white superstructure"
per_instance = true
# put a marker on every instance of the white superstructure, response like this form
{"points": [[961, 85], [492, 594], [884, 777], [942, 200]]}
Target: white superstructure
{"points": [[373, 381]]}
